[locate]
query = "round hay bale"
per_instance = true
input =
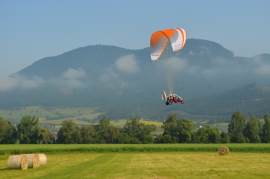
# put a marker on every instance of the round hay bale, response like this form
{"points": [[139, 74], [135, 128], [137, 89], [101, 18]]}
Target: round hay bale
{"points": [[17, 162], [42, 159], [223, 151], [33, 160]]}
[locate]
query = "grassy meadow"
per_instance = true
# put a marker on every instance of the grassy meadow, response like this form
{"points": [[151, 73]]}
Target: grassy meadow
{"points": [[146, 165]]}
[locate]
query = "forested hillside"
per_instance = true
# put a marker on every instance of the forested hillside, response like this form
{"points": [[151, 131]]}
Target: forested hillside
{"points": [[120, 82]]}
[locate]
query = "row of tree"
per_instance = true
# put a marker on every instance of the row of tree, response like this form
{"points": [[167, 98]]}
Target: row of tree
{"points": [[176, 130]]}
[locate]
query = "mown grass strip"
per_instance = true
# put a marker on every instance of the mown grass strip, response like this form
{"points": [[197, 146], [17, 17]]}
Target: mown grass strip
{"points": [[147, 165]]}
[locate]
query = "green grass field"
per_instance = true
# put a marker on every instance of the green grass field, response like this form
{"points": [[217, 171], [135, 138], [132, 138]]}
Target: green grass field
{"points": [[141, 161], [146, 165]]}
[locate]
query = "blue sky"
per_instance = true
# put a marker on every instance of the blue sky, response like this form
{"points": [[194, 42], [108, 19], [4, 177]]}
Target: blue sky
{"points": [[31, 29]]}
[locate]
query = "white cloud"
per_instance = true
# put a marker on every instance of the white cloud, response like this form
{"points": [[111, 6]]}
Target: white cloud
{"points": [[73, 74], [7, 83], [127, 64], [178, 64], [71, 79], [34, 82], [112, 79], [260, 67], [264, 69], [19, 81]]}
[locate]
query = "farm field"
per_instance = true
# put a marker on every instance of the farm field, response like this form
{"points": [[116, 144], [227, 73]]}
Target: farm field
{"points": [[146, 165], [51, 115]]}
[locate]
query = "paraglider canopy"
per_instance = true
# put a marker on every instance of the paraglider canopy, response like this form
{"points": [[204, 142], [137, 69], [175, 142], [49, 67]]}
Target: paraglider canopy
{"points": [[160, 39]]}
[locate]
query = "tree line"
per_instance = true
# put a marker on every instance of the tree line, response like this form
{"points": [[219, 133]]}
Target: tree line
{"points": [[175, 130]]}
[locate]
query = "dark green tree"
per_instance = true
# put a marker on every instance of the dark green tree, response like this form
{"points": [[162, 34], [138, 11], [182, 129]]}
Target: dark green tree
{"points": [[76, 136], [170, 126], [137, 129], [101, 129], [134, 140], [148, 128], [207, 134], [103, 123], [225, 138], [42, 135], [88, 134], [236, 128], [166, 139], [252, 130], [124, 138], [145, 134], [200, 136], [184, 129], [178, 128], [214, 135], [27, 129], [133, 127], [112, 134], [8, 133], [266, 129], [68, 133], [145, 138]]}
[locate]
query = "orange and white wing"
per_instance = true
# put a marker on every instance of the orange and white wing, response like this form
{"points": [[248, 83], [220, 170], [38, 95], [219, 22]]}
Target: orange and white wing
{"points": [[160, 39]]}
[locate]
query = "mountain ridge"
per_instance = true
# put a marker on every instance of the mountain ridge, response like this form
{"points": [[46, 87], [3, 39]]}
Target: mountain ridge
{"points": [[120, 81]]}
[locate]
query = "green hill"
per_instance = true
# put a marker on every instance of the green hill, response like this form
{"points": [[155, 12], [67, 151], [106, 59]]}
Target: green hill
{"points": [[119, 83]]}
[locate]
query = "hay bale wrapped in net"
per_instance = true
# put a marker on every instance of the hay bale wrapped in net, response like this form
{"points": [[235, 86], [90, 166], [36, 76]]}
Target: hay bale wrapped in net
{"points": [[223, 151], [33, 160], [42, 159], [17, 162]]}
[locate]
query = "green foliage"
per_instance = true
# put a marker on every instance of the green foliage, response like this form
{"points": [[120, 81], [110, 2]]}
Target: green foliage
{"points": [[145, 138], [236, 127], [207, 135], [170, 125], [87, 134], [103, 124], [138, 132], [27, 129], [68, 133], [133, 127], [178, 128], [225, 138], [8, 133], [111, 134], [184, 130], [167, 139], [123, 138], [266, 129], [42, 135], [107, 133], [252, 130]]}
